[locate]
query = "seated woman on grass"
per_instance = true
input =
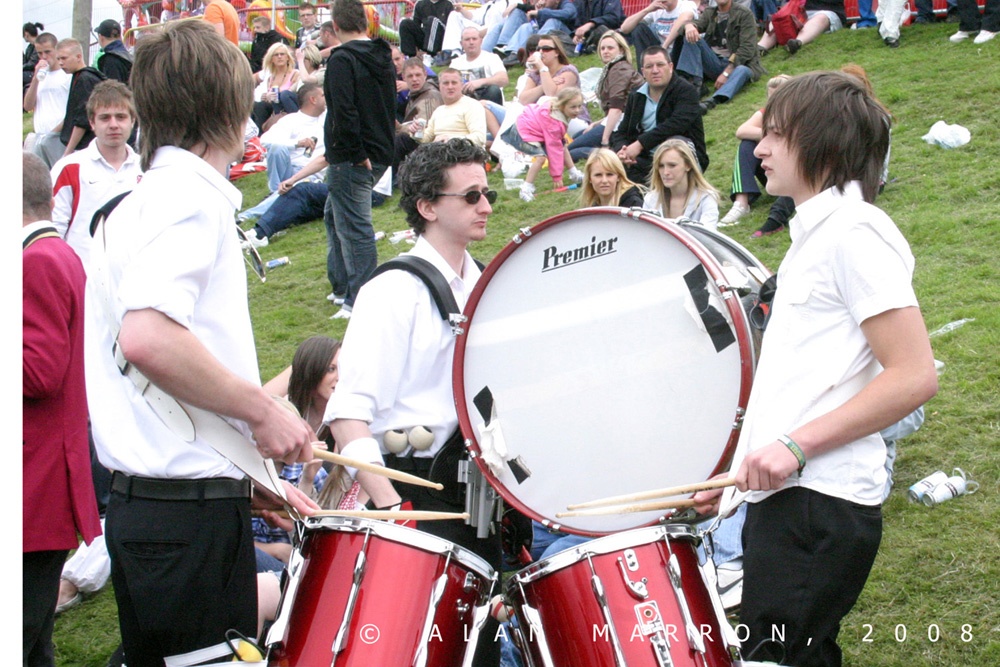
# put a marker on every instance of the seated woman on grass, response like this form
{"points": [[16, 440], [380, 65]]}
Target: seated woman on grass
{"points": [[678, 189], [605, 182]]}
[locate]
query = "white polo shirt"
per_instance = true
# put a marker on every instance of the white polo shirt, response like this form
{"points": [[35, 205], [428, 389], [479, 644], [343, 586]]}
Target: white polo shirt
{"points": [[847, 263], [50, 100], [83, 182], [395, 364], [172, 247]]}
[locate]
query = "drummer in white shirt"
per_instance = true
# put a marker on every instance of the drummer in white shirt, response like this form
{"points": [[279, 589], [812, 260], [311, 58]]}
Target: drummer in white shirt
{"points": [[396, 360]]}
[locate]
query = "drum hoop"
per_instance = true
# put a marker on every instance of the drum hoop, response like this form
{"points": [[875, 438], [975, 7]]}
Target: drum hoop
{"points": [[608, 544], [402, 535], [706, 259]]}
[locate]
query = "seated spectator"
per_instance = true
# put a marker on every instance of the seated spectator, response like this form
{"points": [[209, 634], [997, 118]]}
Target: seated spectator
{"points": [[458, 116], [114, 61], [987, 25], [76, 132], [424, 98], [328, 40], [665, 106], [593, 19], [659, 24], [727, 53], [292, 141], [483, 73], [823, 15], [618, 79], [605, 182], [277, 84], [547, 16], [482, 17], [549, 71], [747, 170], [539, 131], [46, 99], [30, 57], [678, 189], [312, 64], [264, 37], [425, 30], [309, 30]]}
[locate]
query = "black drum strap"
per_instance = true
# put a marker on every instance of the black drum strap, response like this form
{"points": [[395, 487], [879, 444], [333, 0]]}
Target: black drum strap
{"points": [[428, 273]]}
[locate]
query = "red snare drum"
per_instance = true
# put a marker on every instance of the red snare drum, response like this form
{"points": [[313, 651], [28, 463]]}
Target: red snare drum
{"points": [[364, 593], [636, 598], [606, 352]]}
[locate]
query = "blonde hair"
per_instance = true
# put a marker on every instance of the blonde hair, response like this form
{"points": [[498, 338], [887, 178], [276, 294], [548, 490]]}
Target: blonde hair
{"points": [[775, 81], [609, 160], [696, 180], [620, 41], [565, 96], [278, 46]]}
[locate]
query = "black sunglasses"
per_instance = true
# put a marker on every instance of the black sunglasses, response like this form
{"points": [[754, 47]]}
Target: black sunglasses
{"points": [[545, 48], [472, 197]]}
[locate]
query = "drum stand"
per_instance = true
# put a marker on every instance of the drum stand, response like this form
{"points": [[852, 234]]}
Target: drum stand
{"points": [[480, 498]]}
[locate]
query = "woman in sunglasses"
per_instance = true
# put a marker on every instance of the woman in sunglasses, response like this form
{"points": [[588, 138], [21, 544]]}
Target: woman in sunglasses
{"points": [[549, 71]]}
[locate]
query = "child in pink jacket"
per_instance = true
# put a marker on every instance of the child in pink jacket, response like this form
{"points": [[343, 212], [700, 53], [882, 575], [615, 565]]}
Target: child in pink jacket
{"points": [[542, 130]]}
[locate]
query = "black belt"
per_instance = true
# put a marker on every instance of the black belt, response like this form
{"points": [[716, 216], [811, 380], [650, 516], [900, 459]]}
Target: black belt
{"points": [[211, 488]]}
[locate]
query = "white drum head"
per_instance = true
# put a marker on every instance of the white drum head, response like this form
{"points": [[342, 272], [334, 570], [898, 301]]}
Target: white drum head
{"points": [[600, 359]]}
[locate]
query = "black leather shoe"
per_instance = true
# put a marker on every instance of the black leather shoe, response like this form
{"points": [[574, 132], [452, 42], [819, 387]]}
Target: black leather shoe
{"points": [[793, 46], [891, 42]]}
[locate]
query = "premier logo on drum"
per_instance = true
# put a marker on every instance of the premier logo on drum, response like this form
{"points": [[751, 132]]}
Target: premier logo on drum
{"points": [[553, 258]]}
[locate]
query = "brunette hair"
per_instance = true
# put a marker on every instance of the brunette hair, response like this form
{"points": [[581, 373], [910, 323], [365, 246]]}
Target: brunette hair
{"points": [[36, 188], [110, 94], [311, 362], [425, 173]]}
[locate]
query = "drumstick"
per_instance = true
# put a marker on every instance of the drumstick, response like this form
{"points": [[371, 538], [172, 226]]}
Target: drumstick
{"points": [[659, 493], [629, 509], [387, 515], [319, 449]]}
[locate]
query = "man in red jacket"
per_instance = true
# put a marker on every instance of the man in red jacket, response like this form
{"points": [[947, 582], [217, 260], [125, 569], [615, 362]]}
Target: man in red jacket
{"points": [[58, 492]]}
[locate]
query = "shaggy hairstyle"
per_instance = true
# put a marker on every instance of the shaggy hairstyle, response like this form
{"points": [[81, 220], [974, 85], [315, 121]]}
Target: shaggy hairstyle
{"points": [[349, 16], [191, 87], [309, 365], [696, 180], [36, 189], [620, 41], [424, 174], [269, 56], [610, 161], [556, 42], [110, 94], [838, 131]]}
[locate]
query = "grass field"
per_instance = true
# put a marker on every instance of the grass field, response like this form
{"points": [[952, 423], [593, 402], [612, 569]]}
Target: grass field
{"points": [[932, 596]]}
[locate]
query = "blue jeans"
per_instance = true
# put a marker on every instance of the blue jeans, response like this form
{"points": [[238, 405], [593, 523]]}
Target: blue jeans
{"points": [[581, 147], [867, 19], [520, 37], [700, 61], [279, 165], [501, 33], [349, 229], [762, 10], [260, 209], [305, 202]]}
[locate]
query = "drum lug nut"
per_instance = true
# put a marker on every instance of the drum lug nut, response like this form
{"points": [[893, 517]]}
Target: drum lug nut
{"points": [[525, 233], [471, 583], [462, 608]]}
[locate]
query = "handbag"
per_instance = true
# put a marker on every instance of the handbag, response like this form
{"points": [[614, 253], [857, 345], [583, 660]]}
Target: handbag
{"points": [[788, 21]]}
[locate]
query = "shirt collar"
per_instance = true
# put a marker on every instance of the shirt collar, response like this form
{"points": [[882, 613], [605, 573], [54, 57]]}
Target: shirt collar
{"points": [[423, 249], [811, 213], [644, 89], [171, 156], [33, 227], [95, 154]]}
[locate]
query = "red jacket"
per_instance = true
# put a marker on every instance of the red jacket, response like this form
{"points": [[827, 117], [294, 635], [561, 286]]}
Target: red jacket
{"points": [[58, 490]]}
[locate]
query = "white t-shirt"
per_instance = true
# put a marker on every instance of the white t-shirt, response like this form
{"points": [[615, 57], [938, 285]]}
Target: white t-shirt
{"points": [[483, 67], [847, 262], [171, 246], [290, 129], [50, 100], [662, 20]]}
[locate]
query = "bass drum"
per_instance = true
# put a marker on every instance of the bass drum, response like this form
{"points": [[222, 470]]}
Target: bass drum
{"points": [[607, 351]]}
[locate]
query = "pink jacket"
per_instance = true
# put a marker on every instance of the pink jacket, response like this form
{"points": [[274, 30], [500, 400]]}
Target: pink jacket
{"points": [[536, 123]]}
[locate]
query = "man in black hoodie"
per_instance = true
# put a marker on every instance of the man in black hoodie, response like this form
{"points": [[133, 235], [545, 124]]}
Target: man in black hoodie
{"points": [[360, 87], [115, 62], [264, 38], [76, 131]]}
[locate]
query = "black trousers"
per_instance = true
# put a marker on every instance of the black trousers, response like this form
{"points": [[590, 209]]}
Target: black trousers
{"points": [[427, 36], [805, 562], [40, 589], [184, 572]]}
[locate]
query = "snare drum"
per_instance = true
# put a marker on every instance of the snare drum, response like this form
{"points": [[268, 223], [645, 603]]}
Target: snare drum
{"points": [[636, 598], [362, 592], [606, 352]]}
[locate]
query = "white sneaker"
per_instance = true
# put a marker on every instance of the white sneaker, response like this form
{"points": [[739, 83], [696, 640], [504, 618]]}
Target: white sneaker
{"points": [[337, 300], [343, 314], [735, 213], [254, 241], [527, 191], [575, 175], [960, 36], [983, 37], [731, 583]]}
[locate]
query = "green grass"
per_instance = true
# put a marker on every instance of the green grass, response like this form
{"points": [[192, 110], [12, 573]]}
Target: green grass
{"points": [[936, 567]]}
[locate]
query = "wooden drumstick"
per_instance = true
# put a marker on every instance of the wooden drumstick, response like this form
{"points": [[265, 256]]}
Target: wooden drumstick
{"points": [[385, 515], [320, 451], [658, 493], [630, 509]]}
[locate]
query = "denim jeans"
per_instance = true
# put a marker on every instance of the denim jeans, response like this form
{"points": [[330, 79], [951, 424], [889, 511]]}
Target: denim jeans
{"points": [[520, 37], [303, 203], [349, 229], [700, 61], [501, 33], [279, 165], [581, 147]]}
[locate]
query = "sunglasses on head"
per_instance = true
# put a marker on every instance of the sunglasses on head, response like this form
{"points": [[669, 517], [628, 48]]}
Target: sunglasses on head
{"points": [[545, 48], [472, 197]]}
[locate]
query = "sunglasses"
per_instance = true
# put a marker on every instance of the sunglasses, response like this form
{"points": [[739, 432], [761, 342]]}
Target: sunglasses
{"points": [[472, 197], [545, 48]]}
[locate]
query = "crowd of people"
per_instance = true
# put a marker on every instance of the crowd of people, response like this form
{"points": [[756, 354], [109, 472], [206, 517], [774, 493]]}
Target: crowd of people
{"points": [[344, 116]]}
